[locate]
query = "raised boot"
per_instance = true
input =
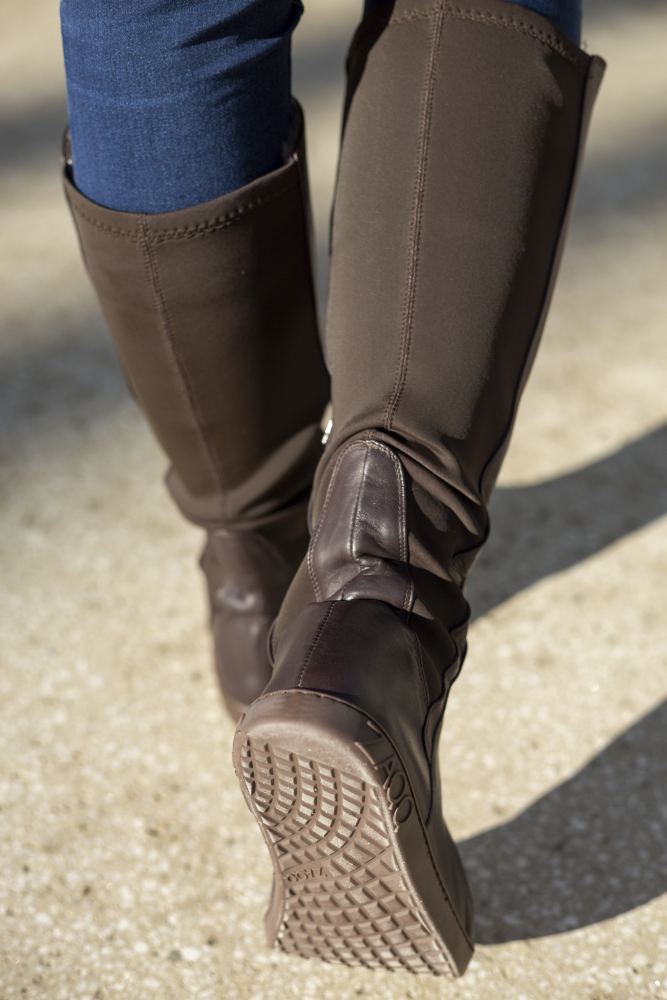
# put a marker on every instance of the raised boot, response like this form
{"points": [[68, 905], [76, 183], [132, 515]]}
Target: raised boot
{"points": [[463, 134], [212, 309]]}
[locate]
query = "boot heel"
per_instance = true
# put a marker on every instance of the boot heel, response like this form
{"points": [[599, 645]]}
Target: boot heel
{"points": [[355, 880]]}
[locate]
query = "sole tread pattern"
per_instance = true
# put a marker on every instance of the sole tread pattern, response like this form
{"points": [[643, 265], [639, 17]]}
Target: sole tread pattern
{"points": [[346, 898]]}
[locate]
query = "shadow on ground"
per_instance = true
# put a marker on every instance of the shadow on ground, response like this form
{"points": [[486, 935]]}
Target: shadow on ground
{"points": [[548, 527], [51, 387], [590, 849]]}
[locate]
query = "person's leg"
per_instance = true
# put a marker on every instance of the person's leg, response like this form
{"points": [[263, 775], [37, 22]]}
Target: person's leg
{"points": [[450, 213], [175, 103], [211, 306]]}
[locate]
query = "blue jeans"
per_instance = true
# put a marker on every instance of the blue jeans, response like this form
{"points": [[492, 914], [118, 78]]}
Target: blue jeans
{"points": [[176, 102]]}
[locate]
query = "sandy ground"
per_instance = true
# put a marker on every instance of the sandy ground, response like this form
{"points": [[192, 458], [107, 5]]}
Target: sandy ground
{"points": [[130, 867]]}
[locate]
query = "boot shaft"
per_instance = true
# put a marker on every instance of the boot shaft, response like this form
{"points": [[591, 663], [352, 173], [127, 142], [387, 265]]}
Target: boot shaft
{"points": [[463, 134], [213, 312]]}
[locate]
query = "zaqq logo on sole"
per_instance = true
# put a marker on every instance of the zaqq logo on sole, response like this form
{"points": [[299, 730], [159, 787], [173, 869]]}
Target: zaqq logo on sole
{"points": [[395, 786]]}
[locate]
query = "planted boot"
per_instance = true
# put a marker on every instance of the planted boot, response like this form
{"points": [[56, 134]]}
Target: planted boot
{"points": [[464, 130], [212, 309]]}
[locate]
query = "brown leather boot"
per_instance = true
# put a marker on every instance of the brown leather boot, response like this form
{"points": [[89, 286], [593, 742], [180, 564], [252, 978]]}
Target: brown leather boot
{"points": [[458, 163], [213, 312]]}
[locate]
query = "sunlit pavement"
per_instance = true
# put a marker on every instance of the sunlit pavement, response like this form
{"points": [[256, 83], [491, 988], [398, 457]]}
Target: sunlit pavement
{"points": [[130, 867]]}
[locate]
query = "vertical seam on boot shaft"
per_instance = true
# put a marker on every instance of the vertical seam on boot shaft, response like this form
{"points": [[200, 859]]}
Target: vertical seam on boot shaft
{"points": [[320, 520], [303, 185], [153, 274], [403, 534], [313, 645], [438, 13], [415, 226], [425, 691], [575, 56], [355, 513]]}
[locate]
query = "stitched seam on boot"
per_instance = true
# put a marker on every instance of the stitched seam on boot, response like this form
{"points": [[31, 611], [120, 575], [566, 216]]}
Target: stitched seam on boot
{"points": [[145, 235], [493, 20], [416, 225], [308, 232], [422, 674], [355, 514], [223, 221], [156, 286], [402, 523], [402, 531], [134, 236], [402, 519], [320, 520], [316, 638]]}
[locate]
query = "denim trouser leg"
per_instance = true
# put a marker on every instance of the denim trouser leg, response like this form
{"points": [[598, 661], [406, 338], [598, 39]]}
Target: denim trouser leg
{"points": [[173, 103]]}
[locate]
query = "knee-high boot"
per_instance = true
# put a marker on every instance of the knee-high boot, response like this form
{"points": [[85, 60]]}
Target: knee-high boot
{"points": [[212, 310], [465, 126]]}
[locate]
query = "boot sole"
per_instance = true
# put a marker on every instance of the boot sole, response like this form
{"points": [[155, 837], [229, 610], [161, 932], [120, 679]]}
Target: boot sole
{"points": [[355, 880]]}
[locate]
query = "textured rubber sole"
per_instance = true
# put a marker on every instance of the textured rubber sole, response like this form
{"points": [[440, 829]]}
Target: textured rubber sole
{"points": [[333, 816]]}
